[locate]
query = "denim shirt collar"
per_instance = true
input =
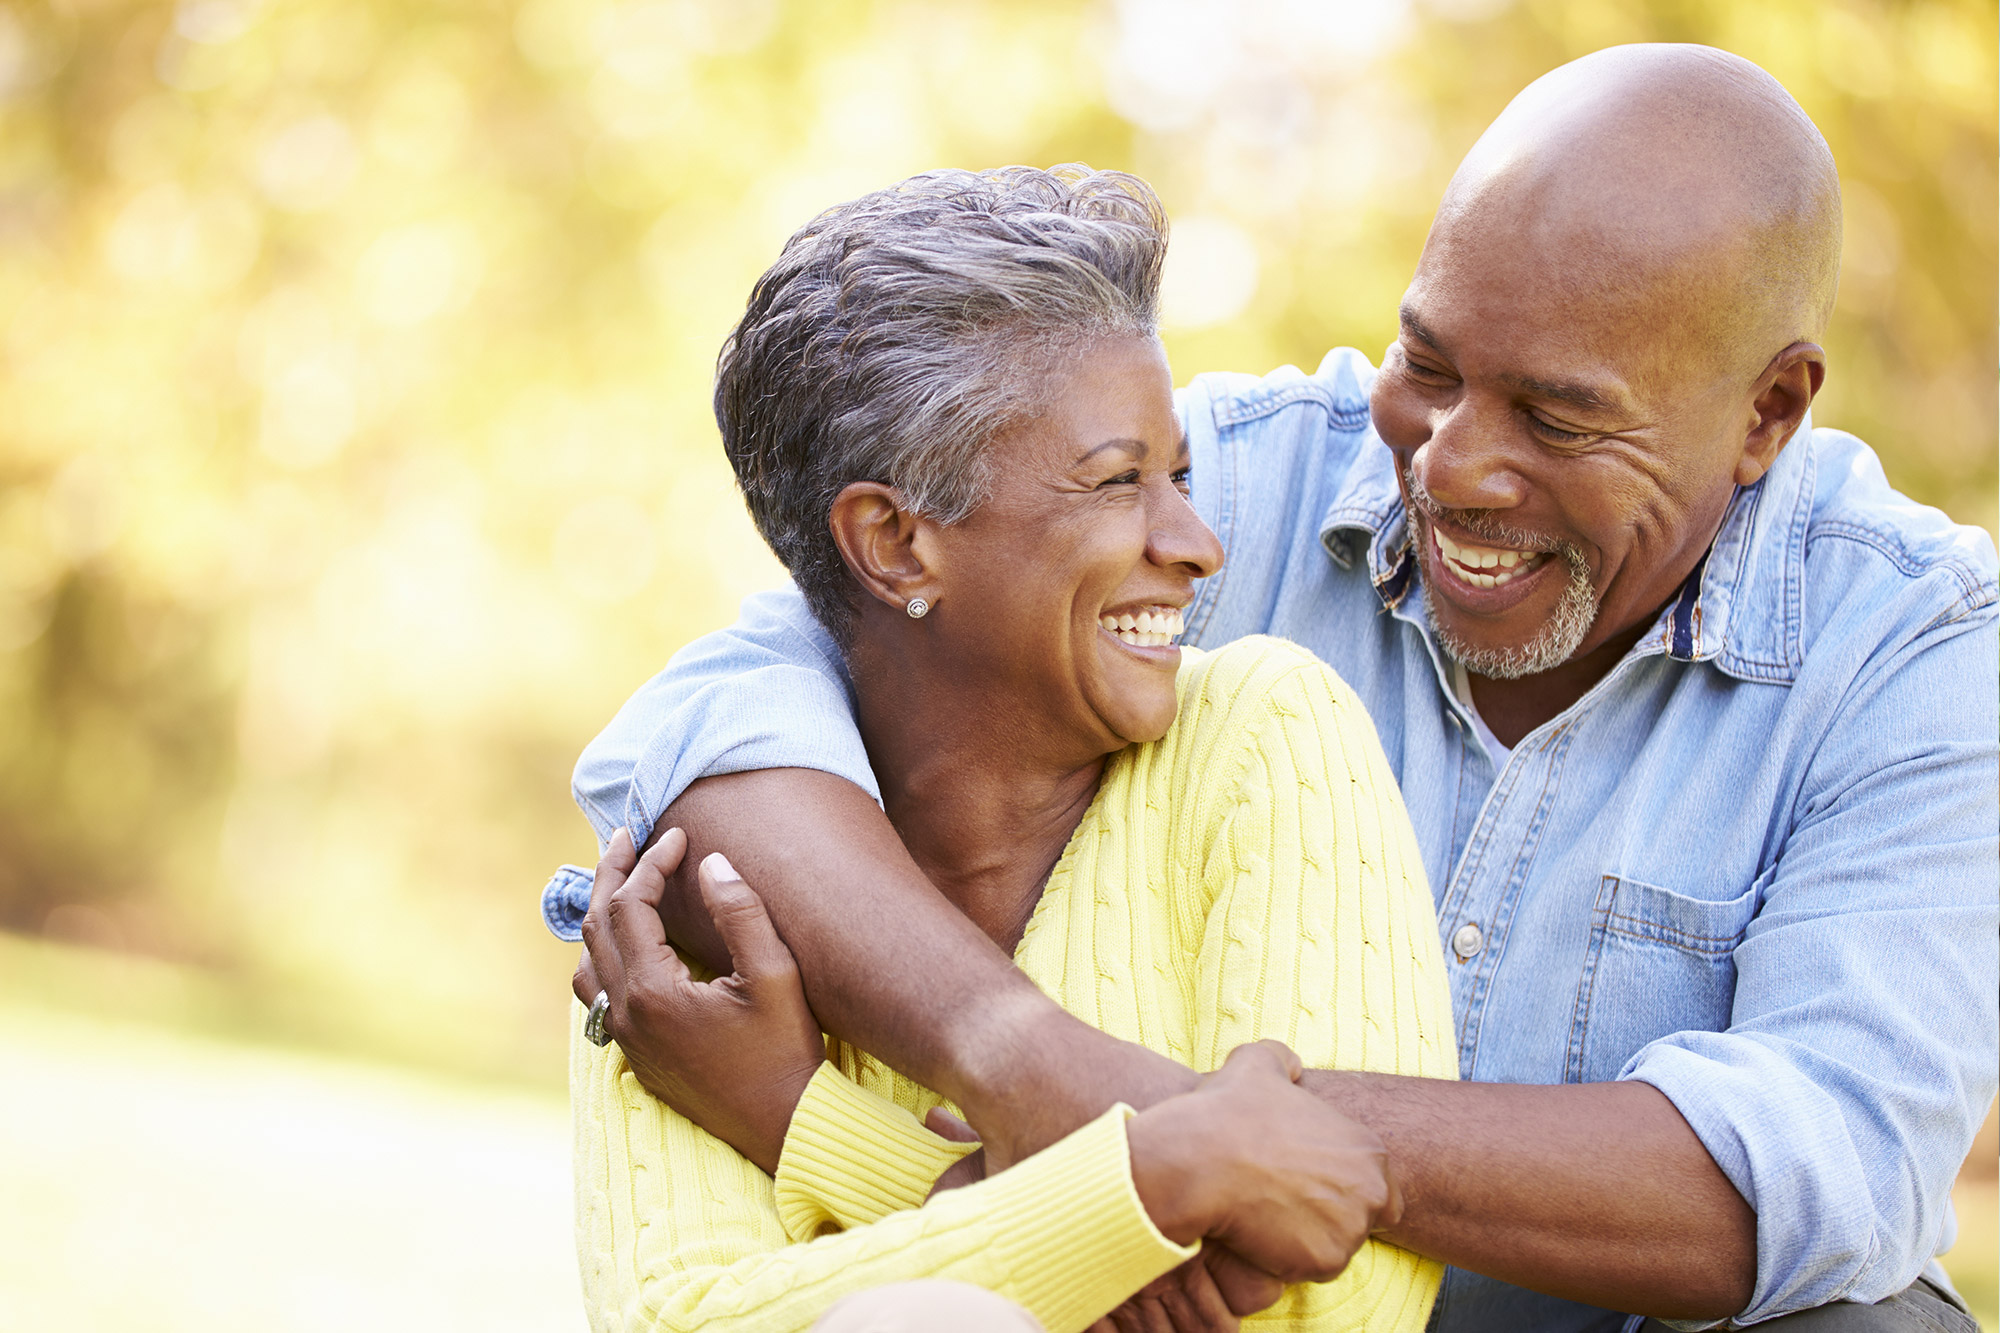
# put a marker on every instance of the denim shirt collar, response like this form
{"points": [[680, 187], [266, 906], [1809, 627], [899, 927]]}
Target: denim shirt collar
{"points": [[1741, 608]]}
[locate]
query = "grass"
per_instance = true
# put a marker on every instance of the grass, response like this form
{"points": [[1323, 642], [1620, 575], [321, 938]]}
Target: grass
{"points": [[223, 1188]]}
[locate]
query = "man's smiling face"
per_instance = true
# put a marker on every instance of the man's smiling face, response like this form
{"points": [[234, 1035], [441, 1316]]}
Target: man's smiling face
{"points": [[1566, 430], [1612, 326]]}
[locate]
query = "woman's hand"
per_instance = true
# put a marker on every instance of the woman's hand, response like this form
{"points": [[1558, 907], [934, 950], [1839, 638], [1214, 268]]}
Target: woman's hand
{"points": [[734, 1054], [1260, 1164]]}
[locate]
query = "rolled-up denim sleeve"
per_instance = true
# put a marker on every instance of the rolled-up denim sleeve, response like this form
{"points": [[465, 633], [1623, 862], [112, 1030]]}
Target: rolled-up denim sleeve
{"points": [[771, 691], [1860, 1057]]}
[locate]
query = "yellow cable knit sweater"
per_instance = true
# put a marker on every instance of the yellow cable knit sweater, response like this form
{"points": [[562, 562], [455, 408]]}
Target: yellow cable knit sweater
{"points": [[1250, 874]]}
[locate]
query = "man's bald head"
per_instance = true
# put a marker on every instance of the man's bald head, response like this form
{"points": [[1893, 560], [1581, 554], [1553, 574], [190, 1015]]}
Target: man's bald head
{"points": [[1613, 328], [1682, 179]]}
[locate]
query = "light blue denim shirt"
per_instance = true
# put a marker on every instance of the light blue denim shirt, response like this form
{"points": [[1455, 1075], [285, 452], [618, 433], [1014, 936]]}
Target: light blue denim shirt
{"points": [[1755, 866]]}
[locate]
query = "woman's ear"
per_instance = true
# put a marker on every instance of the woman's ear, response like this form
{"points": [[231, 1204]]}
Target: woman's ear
{"points": [[883, 543]]}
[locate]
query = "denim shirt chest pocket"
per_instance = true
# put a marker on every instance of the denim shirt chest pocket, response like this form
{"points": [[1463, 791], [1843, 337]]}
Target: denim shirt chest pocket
{"points": [[1658, 962]]}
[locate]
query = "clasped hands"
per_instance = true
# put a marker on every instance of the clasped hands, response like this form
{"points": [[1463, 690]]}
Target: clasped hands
{"points": [[1286, 1187]]}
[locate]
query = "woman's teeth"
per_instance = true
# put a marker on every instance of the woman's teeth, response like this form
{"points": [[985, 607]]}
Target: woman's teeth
{"points": [[1155, 627], [1485, 566]]}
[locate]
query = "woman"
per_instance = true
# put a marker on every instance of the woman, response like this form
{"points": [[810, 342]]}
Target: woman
{"points": [[952, 419]]}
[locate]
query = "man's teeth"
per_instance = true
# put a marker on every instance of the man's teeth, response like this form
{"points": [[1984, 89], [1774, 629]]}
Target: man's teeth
{"points": [[1469, 562], [1155, 627]]}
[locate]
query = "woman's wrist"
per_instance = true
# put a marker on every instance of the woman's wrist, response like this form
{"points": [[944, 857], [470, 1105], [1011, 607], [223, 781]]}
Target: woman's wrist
{"points": [[1168, 1169], [767, 1140]]}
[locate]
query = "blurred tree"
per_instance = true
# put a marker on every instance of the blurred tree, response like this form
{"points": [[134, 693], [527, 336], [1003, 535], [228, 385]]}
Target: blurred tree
{"points": [[355, 457]]}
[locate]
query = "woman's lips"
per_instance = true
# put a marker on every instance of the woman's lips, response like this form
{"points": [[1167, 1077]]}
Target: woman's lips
{"points": [[1149, 627]]}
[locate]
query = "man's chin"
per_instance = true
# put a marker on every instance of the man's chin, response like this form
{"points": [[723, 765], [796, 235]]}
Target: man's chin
{"points": [[1556, 639]]}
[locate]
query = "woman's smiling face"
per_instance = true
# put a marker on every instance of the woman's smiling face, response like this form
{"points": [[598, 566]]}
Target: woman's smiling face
{"points": [[1065, 589]]}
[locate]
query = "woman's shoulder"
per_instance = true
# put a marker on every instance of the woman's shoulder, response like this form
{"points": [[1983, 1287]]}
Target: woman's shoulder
{"points": [[1259, 676], [1251, 695]]}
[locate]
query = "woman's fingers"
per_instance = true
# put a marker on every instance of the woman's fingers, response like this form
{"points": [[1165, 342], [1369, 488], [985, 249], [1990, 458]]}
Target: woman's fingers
{"points": [[585, 983], [618, 857], [647, 881], [1254, 1057], [612, 869], [755, 950], [662, 859], [637, 933]]}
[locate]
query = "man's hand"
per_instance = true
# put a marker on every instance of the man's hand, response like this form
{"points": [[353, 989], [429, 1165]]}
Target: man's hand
{"points": [[967, 1170], [1210, 1293], [1258, 1163], [734, 1054]]}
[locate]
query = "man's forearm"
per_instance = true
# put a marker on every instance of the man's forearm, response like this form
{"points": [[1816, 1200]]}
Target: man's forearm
{"points": [[1600, 1193], [893, 968]]}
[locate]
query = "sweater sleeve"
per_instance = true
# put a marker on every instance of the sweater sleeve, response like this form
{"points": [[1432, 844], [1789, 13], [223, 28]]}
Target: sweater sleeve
{"points": [[851, 1157], [1320, 929], [675, 1230]]}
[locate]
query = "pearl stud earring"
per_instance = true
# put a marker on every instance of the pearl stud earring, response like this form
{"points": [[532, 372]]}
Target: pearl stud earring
{"points": [[918, 608]]}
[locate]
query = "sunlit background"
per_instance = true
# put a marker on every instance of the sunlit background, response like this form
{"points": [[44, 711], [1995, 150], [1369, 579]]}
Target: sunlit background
{"points": [[356, 461]]}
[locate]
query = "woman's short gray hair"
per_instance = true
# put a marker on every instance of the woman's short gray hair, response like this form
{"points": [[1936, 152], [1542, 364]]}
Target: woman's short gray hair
{"points": [[898, 332]]}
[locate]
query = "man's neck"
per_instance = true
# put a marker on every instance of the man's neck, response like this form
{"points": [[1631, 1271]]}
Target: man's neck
{"points": [[984, 812], [1513, 708]]}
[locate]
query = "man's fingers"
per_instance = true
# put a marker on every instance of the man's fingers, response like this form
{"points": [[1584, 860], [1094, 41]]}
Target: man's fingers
{"points": [[948, 1126], [1203, 1302], [1244, 1287], [755, 950], [967, 1170], [1185, 1309]]}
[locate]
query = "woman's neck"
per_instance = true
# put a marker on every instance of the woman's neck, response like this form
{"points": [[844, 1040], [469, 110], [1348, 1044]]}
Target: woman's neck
{"points": [[983, 797]]}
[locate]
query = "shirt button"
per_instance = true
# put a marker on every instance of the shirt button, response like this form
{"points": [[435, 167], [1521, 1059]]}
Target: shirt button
{"points": [[1467, 940]]}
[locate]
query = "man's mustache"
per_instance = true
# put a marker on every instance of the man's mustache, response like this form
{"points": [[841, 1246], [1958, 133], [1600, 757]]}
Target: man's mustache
{"points": [[1482, 524]]}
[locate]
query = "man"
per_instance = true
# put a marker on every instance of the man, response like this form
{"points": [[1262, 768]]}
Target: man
{"points": [[1695, 719]]}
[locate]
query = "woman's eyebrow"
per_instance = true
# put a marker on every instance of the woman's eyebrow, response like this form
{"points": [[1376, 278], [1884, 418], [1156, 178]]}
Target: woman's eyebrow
{"points": [[1137, 448]]}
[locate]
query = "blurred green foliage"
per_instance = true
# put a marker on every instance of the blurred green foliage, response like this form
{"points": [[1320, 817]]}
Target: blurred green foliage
{"points": [[355, 457]]}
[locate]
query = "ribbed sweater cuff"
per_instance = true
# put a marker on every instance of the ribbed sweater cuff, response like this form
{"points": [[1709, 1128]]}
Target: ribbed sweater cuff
{"points": [[851, 1158], [1074, 1238]]}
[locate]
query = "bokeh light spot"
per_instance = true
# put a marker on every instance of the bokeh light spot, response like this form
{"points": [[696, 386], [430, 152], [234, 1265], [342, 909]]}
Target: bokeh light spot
{"points": [[307, 164], [605, 549], [310, 410], [411, 274], [1211, 273]]}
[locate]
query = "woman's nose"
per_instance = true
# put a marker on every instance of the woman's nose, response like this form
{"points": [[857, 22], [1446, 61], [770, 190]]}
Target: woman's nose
{"points": [[1179, 537], [1468, 463]]}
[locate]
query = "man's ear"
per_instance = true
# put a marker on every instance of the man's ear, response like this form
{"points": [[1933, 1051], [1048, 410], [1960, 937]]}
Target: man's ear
{"points": [[882, 542], [1783, 393]]}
